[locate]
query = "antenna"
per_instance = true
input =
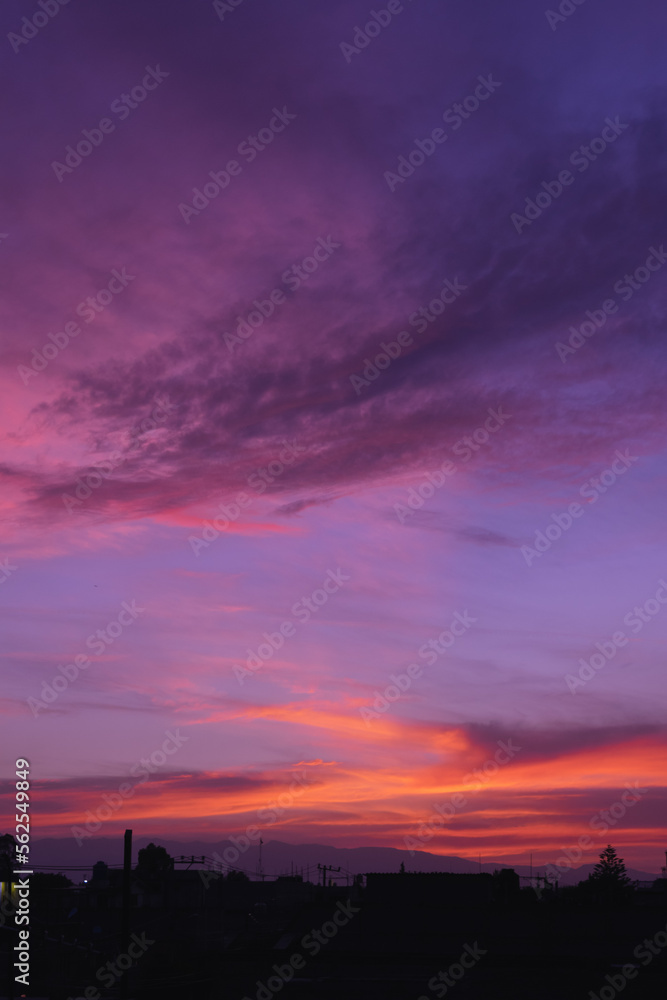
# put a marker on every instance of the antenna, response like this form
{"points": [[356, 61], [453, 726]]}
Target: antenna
{"points": [[260, 870]]}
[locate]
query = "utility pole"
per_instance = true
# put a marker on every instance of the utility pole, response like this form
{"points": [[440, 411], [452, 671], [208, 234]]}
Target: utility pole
{"points": [[125, 912], [260, 870], [324, 869], [193, 859]]}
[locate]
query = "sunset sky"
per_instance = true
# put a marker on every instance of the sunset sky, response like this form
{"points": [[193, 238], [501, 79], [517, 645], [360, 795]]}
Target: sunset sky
{"points": [[152, 385]]}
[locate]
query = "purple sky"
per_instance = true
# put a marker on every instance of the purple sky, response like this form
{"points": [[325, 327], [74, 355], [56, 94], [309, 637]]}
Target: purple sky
{"points": [[360, 445]]}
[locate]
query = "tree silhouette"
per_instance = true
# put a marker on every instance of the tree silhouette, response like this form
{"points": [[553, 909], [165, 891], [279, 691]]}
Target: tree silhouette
{"points": [[608, 882], [152, 860], [234, 875], [610, 869], [7, 856]]}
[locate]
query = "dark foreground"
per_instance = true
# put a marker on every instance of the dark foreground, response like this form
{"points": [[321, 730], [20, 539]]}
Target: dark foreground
{"points": [[398, 937]]}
